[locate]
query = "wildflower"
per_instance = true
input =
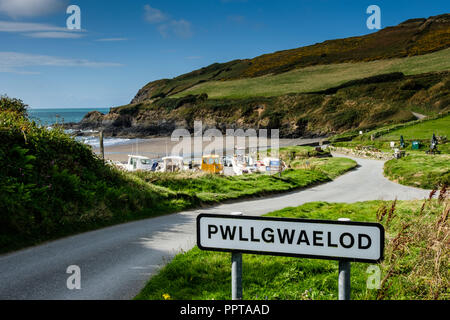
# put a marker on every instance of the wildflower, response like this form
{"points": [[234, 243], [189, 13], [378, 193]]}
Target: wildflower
{"points": [[166, 296]]}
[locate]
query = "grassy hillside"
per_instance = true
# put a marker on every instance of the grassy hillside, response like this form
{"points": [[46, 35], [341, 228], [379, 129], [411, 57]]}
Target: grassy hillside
{"points": [[318, 78], [356, 105], [411, 38], [357, 83], [416, 263]]}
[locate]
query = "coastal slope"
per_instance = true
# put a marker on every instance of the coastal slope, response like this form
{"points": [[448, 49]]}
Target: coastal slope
{"points": [[356, 83]]}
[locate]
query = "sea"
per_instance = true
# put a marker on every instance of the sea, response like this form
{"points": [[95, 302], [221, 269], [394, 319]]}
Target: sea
{"points": [[50, 116]]}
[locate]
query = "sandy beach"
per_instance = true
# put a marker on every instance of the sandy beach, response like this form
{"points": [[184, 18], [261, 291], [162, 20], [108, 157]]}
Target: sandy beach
{"points": [[159, 147]]}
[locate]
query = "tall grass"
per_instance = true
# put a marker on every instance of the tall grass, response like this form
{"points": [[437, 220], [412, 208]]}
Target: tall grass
{"points": [[417, 256]]}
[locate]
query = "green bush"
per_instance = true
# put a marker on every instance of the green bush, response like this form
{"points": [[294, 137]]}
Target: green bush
{"points": [[345, 119], [52, 185], [13, 105]]}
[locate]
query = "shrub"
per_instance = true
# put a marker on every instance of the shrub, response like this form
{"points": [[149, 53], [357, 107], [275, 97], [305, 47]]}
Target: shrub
{"points": [[13, 105], [52, 185]]}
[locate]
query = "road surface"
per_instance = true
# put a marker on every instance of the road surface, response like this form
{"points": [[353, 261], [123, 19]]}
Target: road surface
{"points": [[116, 262]]}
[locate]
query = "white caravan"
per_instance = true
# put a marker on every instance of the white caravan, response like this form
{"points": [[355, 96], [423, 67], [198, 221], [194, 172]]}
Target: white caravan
{"points": [[172, 164], [136, 163]]}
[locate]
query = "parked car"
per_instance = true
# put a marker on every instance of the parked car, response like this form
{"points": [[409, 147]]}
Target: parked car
{"points": [[227, 161]]}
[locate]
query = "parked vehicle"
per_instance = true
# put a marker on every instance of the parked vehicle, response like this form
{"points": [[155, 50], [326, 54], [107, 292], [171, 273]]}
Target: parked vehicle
{"points": [[136, 163], [211, 163], [272, 165], [172, 164], [227, 161]]}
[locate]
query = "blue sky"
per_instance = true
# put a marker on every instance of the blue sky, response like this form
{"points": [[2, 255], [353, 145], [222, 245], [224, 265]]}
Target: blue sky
{"points": [[125, 44]]}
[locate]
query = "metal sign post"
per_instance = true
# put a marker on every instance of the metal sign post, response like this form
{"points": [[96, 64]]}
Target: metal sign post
{"points": [[344, 276], [344, 280], [236, 276], [236, 271], [342, 240]]}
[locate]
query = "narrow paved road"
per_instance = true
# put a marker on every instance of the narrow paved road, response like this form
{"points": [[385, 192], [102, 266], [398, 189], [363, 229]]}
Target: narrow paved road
{"points": [[117, 261]]}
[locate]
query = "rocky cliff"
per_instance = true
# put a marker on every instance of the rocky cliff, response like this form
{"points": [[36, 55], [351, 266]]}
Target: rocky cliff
{"points": [[357, 105]]}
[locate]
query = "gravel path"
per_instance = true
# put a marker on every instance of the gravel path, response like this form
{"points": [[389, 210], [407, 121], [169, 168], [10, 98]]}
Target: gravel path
{"points": [[116, 262]]}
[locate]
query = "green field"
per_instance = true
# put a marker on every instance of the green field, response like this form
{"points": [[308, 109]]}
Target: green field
{"points": [[417, 169], [412, 269], [320, 77], [421, 130]]}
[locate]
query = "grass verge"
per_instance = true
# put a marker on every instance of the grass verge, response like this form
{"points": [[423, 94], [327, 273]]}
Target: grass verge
{"points": [[208, 188], [422, 171], [332, 167]]}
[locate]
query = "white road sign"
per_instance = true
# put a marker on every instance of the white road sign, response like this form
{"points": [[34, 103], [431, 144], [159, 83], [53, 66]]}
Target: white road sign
{"points": [[320, 239]]}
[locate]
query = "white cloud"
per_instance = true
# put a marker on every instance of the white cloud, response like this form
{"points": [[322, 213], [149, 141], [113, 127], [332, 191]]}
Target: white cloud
{"points": [[39, 30], [14, 62], [194, 57], [55, 35], [112, 39], [11, 26], [179, 28], [154, 15], [164, 30], [31, 8], [166, 25]]}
